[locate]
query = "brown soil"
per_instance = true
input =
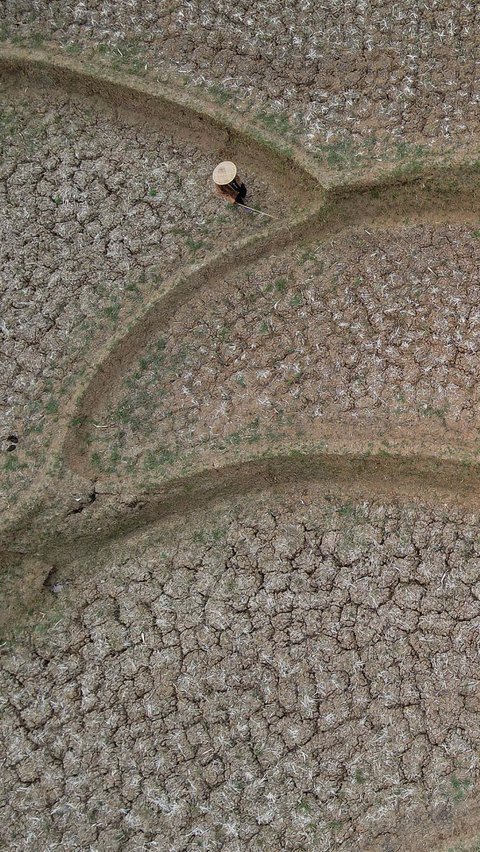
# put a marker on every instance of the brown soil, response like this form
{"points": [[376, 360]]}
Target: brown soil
{"points": [[429, 199], [84, 178], [344, 77], [298, 674], [295, 673], [353, 329]]}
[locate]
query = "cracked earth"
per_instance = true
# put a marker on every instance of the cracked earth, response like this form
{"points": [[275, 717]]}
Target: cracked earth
{"points": [[77, 182], [239, 487], [261, 682], [339, 72], [379, 329]]}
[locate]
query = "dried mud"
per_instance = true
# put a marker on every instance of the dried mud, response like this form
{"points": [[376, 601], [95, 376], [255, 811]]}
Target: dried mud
{"points": [[338, 75], [440, 196], [299, 672], [376, 331], [132, 203]]}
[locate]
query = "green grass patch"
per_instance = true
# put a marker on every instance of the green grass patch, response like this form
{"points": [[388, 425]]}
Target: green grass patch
{"points": [[224, 333], [219, 94], [96, 461], [112, 312], [338, 155], [51, 406], [36, 39], [304, 806], [155, 459], [195, 245], [278, 123], [431, 411], [126, 55], [460, 787], [407, 150], [12, 463]]}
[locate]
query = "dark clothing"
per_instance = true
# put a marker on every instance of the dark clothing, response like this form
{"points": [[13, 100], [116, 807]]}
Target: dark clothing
{"points": [[241, 195], [240, 187], [234, 191]]}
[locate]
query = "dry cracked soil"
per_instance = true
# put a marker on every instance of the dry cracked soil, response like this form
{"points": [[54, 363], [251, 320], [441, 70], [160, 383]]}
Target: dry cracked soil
{"points": [[340, 74], [239, 473], [131, 204], [377, 329], [299, 674]]}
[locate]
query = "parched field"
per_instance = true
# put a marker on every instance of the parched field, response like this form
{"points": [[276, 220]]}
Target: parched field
{"points": [[239, 454], [299, 674], [97, 213], [342, 76], [379, 329]]}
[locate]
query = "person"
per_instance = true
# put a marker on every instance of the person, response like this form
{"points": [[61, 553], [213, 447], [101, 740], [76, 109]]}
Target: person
{"points": [[228, 184]]}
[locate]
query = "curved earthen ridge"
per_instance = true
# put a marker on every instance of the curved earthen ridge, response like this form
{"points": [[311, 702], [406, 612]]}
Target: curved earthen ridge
{"points": [[171, 111], [438, 195], [354, 475], [168, 110], [382, 206]]}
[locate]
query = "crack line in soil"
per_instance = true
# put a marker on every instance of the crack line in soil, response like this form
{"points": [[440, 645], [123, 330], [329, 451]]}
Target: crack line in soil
{"points": [[351, 474]]}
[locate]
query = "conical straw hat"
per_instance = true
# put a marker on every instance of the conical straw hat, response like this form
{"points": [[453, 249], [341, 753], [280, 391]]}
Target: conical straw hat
{"points": [[224, 173]]}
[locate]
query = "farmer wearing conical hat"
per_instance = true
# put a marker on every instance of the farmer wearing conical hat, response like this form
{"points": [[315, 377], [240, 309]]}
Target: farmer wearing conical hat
{"points": [[227, 183]]}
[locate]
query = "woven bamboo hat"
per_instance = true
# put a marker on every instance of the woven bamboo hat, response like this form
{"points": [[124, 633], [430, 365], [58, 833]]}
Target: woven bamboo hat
{"points": [[224, 173]]}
